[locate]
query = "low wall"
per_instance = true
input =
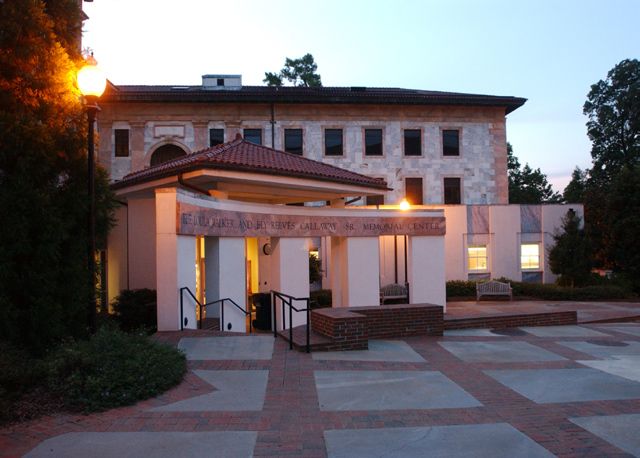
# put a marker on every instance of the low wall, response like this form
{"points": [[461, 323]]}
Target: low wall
{"points": [[351, 328], [512, 321]]}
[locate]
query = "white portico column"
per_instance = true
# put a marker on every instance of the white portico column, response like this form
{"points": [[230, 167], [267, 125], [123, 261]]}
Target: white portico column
{"points": [[225, 277], [175, 265], [426, 265], [355, 279], [290, 275]]}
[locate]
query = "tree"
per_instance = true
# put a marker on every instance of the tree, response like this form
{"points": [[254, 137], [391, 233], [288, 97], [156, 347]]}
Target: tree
{"points": [[44, 282], [575, 191], [569, 255], [528, 186], [613, 108], [300, 72]]}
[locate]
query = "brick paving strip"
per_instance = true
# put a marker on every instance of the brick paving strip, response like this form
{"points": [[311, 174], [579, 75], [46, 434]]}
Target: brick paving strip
{"points": [[291, 422]]}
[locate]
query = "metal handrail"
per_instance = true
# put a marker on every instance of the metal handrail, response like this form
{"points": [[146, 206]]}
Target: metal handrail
{"points": [[288, 300], [201, 306]]}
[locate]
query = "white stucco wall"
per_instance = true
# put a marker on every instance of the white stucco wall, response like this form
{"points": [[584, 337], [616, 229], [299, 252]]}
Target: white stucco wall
{"points": [[142, 243]]}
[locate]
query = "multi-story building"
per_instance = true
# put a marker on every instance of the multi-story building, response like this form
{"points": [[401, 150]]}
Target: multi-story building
{"points": [[436, 149]]}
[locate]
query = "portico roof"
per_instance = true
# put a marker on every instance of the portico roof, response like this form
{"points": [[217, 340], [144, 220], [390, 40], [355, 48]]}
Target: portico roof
{"points": [[247, 171]]}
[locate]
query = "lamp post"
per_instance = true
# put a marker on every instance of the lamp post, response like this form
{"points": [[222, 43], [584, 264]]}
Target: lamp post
{"points": [[92, 83]]}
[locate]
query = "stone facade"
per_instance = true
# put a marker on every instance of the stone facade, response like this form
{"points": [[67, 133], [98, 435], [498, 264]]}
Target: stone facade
{"points": [[482, 164]]}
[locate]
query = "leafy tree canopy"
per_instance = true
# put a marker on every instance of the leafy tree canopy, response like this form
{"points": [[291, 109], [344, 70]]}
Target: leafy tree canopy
{"points": [[569, 255], [300, 72], [44, 282], [528, 186], [576, 190], [613, 108]]}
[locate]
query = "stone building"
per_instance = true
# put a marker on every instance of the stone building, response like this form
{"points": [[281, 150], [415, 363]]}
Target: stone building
{"points": [[439, 150]]}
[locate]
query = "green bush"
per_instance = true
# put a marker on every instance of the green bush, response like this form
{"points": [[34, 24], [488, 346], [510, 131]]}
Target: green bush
{"points": [[135, 308], [19, 374], [113, 369], [460, 288], [322, 298]]}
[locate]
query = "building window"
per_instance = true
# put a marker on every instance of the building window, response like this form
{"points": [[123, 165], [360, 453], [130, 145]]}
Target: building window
{"points": [[333, 143], [530, 256], [253, 136], [122, 142], [452, 191], [413, 191], [412, 142], [373, 142], [451, 143], [220, 81], [216, 137], [166, 153], [375, 200], [293, 141], [477, 257]]}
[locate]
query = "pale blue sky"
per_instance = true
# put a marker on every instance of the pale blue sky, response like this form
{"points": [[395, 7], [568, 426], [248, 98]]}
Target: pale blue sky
{"points": [[549, 52]]}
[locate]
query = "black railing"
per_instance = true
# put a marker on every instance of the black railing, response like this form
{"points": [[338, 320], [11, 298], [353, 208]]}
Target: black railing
{"points": [[285, 299], [200, 307]]}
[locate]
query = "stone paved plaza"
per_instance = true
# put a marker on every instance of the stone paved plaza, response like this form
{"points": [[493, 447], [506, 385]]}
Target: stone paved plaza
{"points": [[567, 391]]}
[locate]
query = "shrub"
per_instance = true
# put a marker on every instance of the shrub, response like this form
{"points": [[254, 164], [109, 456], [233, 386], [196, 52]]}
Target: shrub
{"points": [[19, 374], [135, 308], [461, 288], [113, 369], [322, 298]]}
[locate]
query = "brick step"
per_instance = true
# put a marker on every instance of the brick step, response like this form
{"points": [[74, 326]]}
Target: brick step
{"points": [[502, 320], [316, 341]]}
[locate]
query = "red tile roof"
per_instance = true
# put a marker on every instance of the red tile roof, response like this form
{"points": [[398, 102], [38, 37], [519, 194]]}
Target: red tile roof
{"points": [[294, 94], [244, 156]]}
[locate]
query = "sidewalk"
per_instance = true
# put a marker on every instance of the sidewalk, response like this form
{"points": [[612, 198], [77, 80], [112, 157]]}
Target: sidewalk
{"points": [[561, 391]]}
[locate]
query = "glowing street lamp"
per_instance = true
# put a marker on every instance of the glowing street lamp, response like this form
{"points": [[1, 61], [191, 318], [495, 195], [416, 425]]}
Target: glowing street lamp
{"points": [[92, 83], [404, 205]]}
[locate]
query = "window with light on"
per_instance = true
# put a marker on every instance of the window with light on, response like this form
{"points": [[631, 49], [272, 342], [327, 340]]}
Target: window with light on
{"points": [[530, 256], [477, 257]]}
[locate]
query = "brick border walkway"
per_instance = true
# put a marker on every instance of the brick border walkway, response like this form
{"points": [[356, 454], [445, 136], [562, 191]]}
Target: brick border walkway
{"points": [[291, 423]]}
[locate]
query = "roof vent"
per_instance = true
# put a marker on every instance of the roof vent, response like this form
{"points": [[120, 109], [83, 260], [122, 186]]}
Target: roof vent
{"points": [[222, 82], [358, 88]]}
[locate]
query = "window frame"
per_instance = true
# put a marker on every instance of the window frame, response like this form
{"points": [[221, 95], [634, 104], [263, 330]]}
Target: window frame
{"points": [[414, 177], [420, 130], [460, 180], [115, 142], [442, 131], [216, 129], [364, 141], [486, 257], [324, 141], [538, 255], [284, 139], [244, 129]]}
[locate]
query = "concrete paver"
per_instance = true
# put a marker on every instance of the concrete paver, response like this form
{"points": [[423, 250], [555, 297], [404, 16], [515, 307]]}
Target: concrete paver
{"points": [[228, 348], [389, 390], [499, 351], [379, 350], [567, 385], [232, 444], [563, 331], [620, 430], [473, 441], [292, 421]]}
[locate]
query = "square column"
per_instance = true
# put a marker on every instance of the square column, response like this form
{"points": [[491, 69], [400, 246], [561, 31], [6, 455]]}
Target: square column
{"points": [[175, 265], [355, 276], [290, 275], [427, 275], [225, 277]]}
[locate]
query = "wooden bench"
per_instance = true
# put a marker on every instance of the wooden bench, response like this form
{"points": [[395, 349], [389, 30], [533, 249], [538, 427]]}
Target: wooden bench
{"points": [[394, 291], [494, 288]]}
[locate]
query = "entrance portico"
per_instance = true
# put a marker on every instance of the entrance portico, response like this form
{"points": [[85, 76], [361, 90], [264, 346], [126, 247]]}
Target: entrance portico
{"points": [[244, 241]]}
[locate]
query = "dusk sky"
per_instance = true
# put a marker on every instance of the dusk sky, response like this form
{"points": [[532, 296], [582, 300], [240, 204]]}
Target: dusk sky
{"points": [[549, 52]]}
